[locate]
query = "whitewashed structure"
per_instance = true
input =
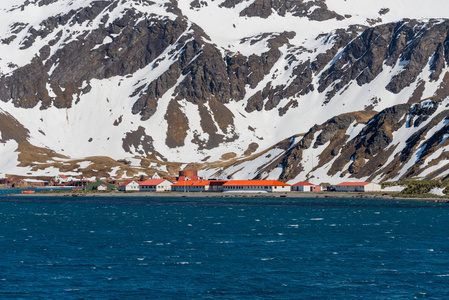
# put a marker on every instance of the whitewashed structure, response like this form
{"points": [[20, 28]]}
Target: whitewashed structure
{"points": [[102, 188], [155, 176], [155, 185], [258, 186], [304, 186], [129, 186], [358, 187], [185, 186], [199, 186], [61, 178]]}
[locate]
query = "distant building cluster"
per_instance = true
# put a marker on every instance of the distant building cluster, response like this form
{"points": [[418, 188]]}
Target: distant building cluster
{"points": [[189, 181], [267, 186]]}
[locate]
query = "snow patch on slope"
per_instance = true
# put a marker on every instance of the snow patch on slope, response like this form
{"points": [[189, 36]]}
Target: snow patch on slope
{"points": [[32, 15]]}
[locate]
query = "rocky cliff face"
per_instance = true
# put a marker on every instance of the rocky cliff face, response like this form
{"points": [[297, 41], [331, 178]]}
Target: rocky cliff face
{"points": [[204, 82], [313, 10], [409, 43], [403, 141]]}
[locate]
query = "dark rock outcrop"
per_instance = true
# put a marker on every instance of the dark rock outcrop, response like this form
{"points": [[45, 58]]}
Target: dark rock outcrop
{"points": [[409, 43], [314, 10], [374, 151]]}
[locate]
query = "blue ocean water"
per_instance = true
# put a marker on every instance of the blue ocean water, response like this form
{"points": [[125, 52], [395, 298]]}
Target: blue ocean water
{"points": [[224, 248]]}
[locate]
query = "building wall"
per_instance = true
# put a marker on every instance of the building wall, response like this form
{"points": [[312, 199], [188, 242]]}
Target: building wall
{"points": [[232, 188], [215, 188], [371, 187], [302, 188], [177, 188], [316, 188], [349, 188], [191, 188], [256, 188], [281, 188], [147, 188], [164, 186], [132, 186]]}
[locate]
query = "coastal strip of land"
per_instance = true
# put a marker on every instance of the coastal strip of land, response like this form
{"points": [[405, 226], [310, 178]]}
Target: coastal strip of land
{"points": [[360, 195]]}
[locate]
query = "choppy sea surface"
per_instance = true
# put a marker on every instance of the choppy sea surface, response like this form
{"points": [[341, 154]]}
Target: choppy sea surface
{"points": [[236, 248]]}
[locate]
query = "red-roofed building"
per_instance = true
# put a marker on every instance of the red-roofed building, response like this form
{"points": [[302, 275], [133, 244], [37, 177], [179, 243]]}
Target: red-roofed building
{"points": [[210, 185], [358, 187], [155, 185], [129, 186], [304, 186], [265, 186], [102, 187], [216, 185], [61, 178], [185, 186], [198, 186]]}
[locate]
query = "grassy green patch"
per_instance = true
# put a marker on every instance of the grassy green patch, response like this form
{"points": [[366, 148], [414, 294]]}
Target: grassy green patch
{"points": [[418, 188]]}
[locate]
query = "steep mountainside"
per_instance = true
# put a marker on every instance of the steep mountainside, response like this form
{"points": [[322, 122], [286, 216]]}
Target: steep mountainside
{"points": [[117, 88], [406, 140]]}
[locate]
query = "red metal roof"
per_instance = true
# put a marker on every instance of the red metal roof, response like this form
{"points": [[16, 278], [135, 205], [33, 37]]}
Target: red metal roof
{"points": [[202, 183], [126, 183], [210, 182], [151, 182], [255, 183], [302, 183], [184, 183], [353, 183]]}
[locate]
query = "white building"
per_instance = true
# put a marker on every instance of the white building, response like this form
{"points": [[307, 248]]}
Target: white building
{"points": [[185, 186], [304, 186], [258, 186], [358, 187], [102, 187], [155, 185], [155, 176], [129, 186], [198, 186], [61, 178]]}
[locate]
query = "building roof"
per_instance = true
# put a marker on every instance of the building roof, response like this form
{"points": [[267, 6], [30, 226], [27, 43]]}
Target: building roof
{"points": [[209, 182], [202, 183], [217, 182], [302, 183], [63, 176], [184, 183], [126, 183], [151, 182], [255, 183], [353, 183]]}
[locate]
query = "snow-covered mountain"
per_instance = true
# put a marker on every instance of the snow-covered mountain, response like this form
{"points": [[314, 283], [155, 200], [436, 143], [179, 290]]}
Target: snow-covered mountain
{"points": [[244, 88]]}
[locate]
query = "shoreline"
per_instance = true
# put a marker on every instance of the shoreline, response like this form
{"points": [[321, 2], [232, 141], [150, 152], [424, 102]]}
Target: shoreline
{"points": [[309, 195]]}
